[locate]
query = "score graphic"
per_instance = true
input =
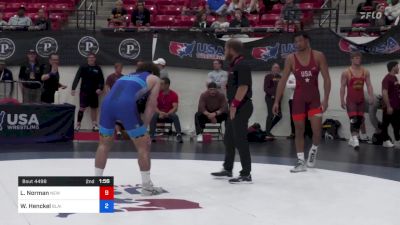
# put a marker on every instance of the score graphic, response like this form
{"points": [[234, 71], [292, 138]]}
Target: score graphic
{"points": [[65, 194]]}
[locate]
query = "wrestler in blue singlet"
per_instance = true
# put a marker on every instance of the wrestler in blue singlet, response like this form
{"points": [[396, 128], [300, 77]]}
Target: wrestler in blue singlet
{"points": [[122, 104]]}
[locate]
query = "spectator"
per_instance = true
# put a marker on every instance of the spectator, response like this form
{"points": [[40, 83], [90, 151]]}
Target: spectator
{"points": [[201, 20], [6, 81], [167, 106], [2, 21], [212, 109], [252, 7], [42, 23], [139, 63], [91, 87], [161, 63], [191, 6], [220, 23], [141, 15], [218, 76], [216, 6], [31, 73], [380, 9], [111, 79], [235, 4], [290, 86], [392, 12], [118, 14], [51, 79], [240, 20], [270, 84], [290, 14], [20, 20]]}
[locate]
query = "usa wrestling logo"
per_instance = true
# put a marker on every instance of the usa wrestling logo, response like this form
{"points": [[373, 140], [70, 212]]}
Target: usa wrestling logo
{"points": [[266, 53], [181, 49], [386, 47]]}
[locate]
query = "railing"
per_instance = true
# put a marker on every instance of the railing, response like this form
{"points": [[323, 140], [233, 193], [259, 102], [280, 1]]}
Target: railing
{"points": [[85, 18], [241, 30], [322, 17]]}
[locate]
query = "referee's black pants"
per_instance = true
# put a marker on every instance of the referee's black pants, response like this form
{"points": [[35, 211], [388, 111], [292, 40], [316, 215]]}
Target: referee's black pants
{"points": [[236, 138]]}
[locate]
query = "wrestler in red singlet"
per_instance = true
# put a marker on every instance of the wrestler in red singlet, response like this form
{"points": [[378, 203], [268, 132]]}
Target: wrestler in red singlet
{"points": [[306, 98], [355, 102]]}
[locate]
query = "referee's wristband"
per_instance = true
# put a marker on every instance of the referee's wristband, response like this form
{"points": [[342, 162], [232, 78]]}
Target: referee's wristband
{"points": [[235, 103]]}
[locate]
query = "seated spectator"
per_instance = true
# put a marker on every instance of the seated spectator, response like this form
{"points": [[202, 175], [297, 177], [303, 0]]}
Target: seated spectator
{"points": [[6, 78], [161, 64], [212, 109], [235, 4], [380, 9], [140, 16], [20, 20], [269, 4], [2, 21], [42, 23], [392, 12], [220, 23], [239, 20], [216, 6], [218, 76], [118, 14], [201, 20], [167, 106], [290, 14], [192, 7]]}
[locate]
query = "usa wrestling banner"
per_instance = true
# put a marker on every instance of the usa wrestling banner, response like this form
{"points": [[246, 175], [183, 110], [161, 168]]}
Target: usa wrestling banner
{"points": [[74, 46], [197, 50]]}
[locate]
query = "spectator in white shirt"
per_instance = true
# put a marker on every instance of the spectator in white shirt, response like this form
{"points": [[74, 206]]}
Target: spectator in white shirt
{"points": [[218, 76], [20, 20], [291, 85]]}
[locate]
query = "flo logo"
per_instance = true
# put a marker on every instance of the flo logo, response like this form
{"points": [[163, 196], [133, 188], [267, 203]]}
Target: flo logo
{"points": [[88, 45], [129, 48], [124, 202], [18, 121], [46, 46], [371, 15], [7, 48]]}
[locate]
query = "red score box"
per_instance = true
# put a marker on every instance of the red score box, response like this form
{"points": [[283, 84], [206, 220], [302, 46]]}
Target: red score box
{"points": [[107, 193]]}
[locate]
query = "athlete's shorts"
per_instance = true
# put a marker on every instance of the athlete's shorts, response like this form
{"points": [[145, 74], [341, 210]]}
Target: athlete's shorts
{"points": [[302, 109], [127, 114], [89, 100], [355, 108]]}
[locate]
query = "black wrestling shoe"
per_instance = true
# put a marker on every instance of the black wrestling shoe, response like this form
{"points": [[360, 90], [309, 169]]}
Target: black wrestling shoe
{"points": [[222, 173], [241, 180]]}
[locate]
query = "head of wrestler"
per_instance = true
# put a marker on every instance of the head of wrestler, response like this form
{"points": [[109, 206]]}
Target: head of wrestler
{"points": [[275, 69], [356, 58], [148, 67], [91, 59], [301, 41], [212, 89], [393, 67], [233, 48]]}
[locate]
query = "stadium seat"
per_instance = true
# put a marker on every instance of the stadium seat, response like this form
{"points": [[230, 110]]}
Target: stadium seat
{"points": [[129, 8], [211, 19], [37, 6], [164, 2], [253, 19], [170, 10], [164, 20], [14, 6], [184, 21], [152, 9], [276, 9], [130, 2], [305, 6], [269, 19], [8, 15]]}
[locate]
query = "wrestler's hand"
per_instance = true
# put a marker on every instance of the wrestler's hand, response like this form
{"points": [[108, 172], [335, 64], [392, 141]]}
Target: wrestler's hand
{"points": [[324, 105], [343, 104], [275, 109]]}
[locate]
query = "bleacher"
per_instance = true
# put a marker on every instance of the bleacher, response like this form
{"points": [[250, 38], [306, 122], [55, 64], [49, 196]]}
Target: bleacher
{"points": [[58, 11], [168, 13]]}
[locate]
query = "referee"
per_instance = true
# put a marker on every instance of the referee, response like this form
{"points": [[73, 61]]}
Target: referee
{"points": [[239, 93]]}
